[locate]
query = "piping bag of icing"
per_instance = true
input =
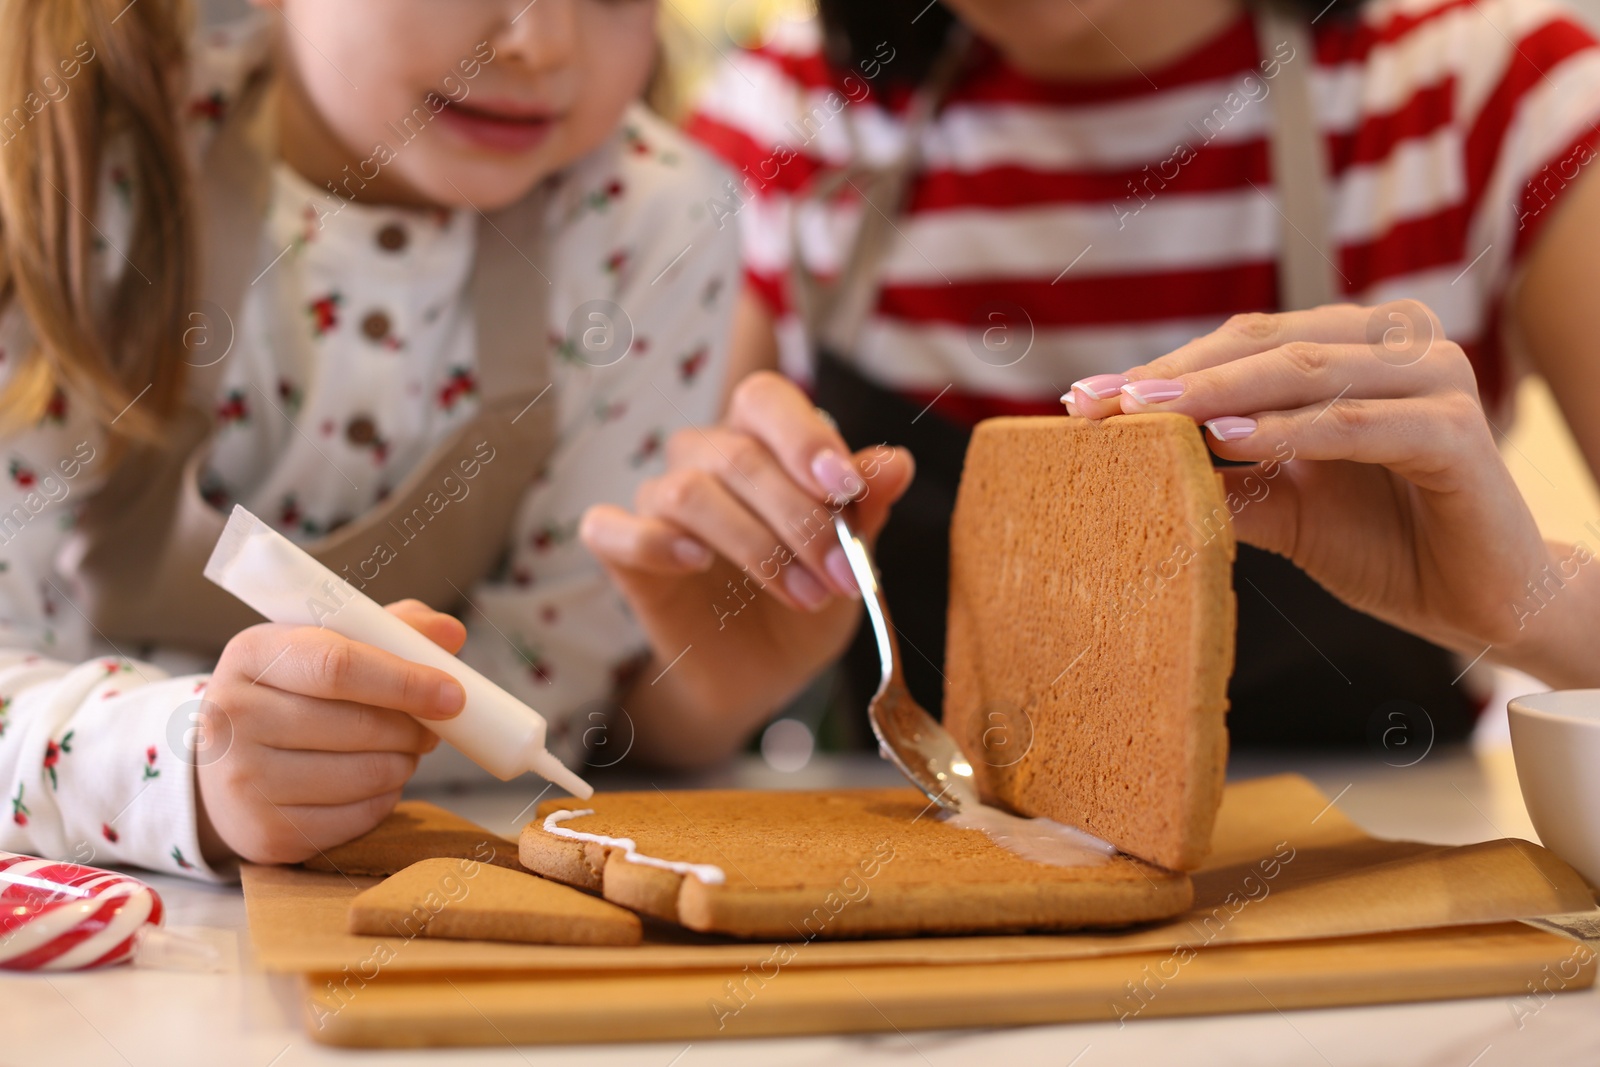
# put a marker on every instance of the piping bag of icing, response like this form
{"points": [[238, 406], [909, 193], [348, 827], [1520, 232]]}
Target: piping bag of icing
{"points": [[280, 580]]}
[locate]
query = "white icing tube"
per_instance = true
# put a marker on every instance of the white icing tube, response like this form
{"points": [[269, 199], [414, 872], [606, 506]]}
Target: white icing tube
{"points": [[280, 580]]}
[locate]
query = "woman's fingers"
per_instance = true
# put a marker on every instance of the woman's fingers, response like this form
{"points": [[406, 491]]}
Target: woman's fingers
{"points": [[1294, 375], [641, 542], [774, 411], [1096, 397], [1264, 507], [1401, 333], [760, 490], [1245, 335], [1429, 441], [659, 546], [749, 471], [703, 505]]}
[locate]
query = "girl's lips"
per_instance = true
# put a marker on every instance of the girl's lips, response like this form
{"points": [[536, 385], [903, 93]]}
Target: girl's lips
{"points": [[499, 129]]}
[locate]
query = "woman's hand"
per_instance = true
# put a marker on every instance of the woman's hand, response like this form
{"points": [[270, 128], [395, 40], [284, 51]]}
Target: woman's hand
{"points": [[1377, 472], [324, 732], [730, 562]]}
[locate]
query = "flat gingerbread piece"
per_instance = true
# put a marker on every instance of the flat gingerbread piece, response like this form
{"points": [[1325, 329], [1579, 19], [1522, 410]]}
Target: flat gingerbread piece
{"points": [[1091, 627], [415, 830], [828, 864], [466, 900]]}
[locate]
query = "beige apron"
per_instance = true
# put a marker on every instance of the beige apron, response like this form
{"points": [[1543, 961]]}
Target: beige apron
{"points": [[137, 552]]}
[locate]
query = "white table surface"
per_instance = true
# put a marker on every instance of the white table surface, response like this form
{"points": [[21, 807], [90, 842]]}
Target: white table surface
{"points": [[245, 1019]]}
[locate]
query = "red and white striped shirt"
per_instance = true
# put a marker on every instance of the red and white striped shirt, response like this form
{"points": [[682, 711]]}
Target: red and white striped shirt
{"points": [[1125, 217]]}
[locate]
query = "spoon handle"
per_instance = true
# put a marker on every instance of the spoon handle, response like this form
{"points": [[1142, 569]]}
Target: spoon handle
{"points": [[872, 596]]}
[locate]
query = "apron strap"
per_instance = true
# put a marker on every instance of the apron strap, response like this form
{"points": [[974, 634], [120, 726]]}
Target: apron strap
{"points": [[833, 313], [511, 298], [1307, 275], [137, 552]]}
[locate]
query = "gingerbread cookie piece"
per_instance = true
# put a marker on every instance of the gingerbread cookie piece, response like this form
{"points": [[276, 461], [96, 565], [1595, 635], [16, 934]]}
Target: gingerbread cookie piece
{"points": [[847, 863], [1091, 627], [415, 830], [466, 900]]}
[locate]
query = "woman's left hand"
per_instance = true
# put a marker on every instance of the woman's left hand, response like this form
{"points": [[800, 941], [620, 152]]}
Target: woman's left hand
{"points": [[1376, 470]]}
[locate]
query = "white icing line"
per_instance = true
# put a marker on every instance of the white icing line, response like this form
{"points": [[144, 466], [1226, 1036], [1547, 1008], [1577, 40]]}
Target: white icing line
{"points": [[707, 873]]}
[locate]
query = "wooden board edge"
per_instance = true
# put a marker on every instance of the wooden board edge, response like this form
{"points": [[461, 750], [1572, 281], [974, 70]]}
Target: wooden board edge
{"points": [[1505, 959]]}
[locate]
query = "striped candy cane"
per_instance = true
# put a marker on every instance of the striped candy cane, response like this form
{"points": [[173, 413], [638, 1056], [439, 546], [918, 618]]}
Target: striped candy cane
{"points": [[65, 917]]}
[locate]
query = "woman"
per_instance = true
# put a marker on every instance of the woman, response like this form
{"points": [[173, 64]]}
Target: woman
{"points": [[1103, 182]]}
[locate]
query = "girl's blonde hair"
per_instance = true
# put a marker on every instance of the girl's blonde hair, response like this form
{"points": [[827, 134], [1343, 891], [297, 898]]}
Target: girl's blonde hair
{"points": [[76, 75]]}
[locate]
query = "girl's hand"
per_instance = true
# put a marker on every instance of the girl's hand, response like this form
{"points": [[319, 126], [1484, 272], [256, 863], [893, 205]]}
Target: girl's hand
{"points": [[1376, 469], [324, 733], [730, 560]]}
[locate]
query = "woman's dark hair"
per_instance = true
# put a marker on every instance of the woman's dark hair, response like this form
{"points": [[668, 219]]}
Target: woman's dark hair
{"points": [[854, 30]]}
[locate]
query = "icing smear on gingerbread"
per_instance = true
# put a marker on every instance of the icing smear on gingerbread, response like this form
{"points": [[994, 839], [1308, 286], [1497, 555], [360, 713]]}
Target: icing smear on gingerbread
{"points": [[1040, 840]]}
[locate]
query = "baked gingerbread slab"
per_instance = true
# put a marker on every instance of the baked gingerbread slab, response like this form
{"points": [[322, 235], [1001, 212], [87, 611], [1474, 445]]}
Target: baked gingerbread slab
{"points": [[826, 865], [1091, 627]]}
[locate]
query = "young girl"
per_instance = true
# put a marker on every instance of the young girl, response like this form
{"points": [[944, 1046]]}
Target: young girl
{"points": [[1104, 181], [419, 284]]}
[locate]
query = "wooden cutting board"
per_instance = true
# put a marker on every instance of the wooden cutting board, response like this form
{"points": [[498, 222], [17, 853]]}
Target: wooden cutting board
{"points": [[477, 1009], [1336, 883]]}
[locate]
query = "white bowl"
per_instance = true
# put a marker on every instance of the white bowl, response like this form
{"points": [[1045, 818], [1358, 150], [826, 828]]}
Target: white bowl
{"points": [[1555, 738]]}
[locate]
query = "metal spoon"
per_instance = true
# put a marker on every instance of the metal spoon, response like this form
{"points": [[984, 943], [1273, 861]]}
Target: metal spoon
{"points": [[907, 735]]}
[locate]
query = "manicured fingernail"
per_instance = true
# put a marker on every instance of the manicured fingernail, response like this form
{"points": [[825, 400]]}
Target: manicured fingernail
{"points": [[691, 553], [836, 474], [450, 698], [804, 588], [1154, 390], [1100, 386], [839, 570], [1231, 427]]}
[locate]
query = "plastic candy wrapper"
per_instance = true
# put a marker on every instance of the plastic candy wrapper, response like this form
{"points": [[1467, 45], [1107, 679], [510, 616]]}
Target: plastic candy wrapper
{"points": [[58, 916]]}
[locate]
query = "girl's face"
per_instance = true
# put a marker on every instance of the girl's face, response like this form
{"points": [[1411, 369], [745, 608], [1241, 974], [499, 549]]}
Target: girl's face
{"points": [[455, 102]]}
